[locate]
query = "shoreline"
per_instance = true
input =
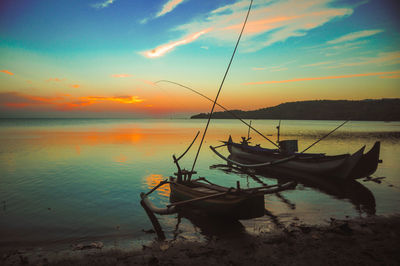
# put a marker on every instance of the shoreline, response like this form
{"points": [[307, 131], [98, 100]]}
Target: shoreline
{"points": [[365, 241]]}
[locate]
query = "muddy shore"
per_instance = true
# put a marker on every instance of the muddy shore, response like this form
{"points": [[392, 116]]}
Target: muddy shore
{"points": [[366, 241]]}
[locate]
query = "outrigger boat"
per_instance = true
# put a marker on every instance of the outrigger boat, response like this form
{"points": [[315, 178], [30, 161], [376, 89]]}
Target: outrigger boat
{"points": [[212, 199], [343, 166]]}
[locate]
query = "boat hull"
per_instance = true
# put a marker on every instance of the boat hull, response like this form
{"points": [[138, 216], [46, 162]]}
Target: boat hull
{"points": [[344, 166], [229, 206]]}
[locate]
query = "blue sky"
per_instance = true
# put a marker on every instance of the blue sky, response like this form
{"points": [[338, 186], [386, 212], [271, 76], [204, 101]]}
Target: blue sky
{"points": [[101, 58]]}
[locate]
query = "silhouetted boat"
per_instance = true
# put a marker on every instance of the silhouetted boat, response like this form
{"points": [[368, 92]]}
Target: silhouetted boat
{"points": [[343, 166], [215, 200]]}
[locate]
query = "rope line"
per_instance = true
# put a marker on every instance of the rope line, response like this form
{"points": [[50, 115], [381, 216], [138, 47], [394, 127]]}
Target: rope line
{"points": [[220, 87]]}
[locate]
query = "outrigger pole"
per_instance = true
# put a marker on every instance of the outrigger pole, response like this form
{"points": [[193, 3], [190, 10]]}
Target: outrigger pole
{"points": [[325, 135], [220, 87]]}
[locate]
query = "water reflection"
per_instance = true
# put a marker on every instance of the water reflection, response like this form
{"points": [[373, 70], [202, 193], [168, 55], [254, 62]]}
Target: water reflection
{"points": [[153, 180], [209, 226], [360, 196], [90, 173]]}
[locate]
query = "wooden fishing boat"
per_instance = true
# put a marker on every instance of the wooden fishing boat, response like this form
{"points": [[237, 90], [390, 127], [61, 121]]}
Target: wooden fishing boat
{"points": [[343, 166], [230, 203], [215, 200]]}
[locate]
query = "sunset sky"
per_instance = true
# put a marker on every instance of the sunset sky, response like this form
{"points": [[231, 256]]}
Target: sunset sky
{"points": [[101, 58]]}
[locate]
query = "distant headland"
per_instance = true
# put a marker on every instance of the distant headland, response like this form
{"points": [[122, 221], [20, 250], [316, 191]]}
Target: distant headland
{"points": [[362, 110]]}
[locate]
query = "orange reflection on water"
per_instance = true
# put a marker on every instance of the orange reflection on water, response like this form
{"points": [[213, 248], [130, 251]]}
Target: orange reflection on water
{"points": [[153, 180], [120, 159], [78, 149]]}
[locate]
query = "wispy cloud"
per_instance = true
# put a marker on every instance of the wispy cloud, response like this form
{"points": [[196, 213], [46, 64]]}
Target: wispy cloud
{"points": [[168, 7], [75, 86], [165, 48], [121, 75], [103, 4], [318, 64], [390, 77], [7, 72], [279, 69], [381, 59], [270, 21], [55, 80], [323, 78], [354, 36]]}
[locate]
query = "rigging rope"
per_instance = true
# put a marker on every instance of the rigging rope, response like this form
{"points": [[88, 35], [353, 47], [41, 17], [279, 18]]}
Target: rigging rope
{"points": [[224, 108], [220, 87], [325, 136]]}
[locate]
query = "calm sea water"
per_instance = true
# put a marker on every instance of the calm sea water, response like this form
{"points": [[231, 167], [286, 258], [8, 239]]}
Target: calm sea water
{"points": [[73, 180]]}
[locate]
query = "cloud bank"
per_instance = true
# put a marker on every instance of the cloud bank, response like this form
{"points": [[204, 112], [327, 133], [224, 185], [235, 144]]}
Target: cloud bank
{"points": [[269, 22]]}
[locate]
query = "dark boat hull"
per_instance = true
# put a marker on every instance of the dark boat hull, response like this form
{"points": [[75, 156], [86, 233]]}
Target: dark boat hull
{"points": [[339, 166], [229, 206]]}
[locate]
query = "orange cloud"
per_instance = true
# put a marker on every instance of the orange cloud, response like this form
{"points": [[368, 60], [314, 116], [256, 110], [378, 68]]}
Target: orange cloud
{"points": [[261, 25], [390, 77], [121, 75], [7, 72], [121, 99], [148, 82], [55, 79], [168, 7], [64, 102], [163, 49], [322, 78], [75, 86]]}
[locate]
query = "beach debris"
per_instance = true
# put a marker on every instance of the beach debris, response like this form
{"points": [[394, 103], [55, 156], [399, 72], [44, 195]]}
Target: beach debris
{"points": [[150, 231], [164, 246], [93, 245], [144, 247], [377, 180]]}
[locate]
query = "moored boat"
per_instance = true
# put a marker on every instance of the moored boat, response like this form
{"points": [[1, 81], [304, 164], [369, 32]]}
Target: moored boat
{"points": [[343, 166], [215, 200]]}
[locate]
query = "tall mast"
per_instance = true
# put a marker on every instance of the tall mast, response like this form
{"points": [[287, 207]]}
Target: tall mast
{"points": [[220, 87]]}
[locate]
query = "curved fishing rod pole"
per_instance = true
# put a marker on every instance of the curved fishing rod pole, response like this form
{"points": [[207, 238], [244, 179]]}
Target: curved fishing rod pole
{"points": [[224, 108], [220, 87], [325, 136]]}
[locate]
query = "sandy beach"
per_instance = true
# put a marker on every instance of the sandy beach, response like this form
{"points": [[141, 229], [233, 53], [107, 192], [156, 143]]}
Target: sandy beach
{"points": [[366, 241]]}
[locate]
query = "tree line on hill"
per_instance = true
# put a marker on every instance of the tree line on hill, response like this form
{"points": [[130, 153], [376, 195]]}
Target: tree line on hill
{"points": [[362, 110]]}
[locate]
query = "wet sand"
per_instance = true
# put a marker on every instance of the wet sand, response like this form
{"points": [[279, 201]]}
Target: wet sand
{"points": [[366, 241]]}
